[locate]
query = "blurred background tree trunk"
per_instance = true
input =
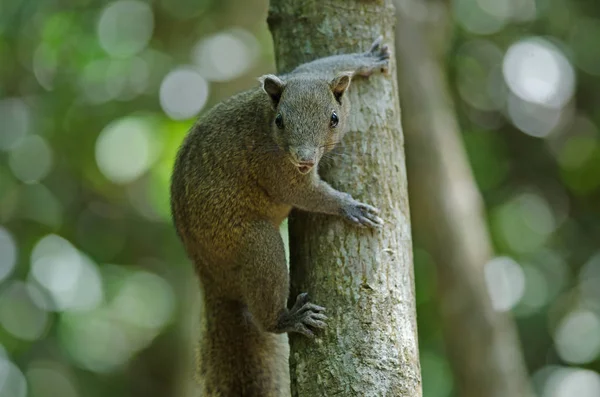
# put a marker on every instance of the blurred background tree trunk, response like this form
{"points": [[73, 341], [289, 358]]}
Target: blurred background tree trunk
{"points": [[363, 277], [448, 213]]}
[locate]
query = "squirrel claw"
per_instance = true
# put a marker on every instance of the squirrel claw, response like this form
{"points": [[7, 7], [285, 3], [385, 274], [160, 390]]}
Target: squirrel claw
{"points": [[373, 222], [385, 52], [379, 58], [304, 317], [376, 44], [382, 52], [301, 299], [303, 329], [362, 215]]}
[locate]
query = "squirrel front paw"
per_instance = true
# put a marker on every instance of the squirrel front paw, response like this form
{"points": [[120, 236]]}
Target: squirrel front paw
{"points": [[379, 57], [303, 317], [361, 214]]}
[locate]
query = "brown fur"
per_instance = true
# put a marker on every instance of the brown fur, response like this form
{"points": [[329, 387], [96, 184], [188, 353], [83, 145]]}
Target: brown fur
{"points": [[235, 180]]}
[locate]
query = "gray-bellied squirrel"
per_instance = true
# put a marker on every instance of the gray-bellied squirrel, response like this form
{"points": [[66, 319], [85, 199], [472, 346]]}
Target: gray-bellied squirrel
{"points": [[241, 169]]}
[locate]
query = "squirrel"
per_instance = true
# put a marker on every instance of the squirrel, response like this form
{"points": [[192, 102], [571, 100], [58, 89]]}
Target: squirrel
{"points": [[240, 170]]}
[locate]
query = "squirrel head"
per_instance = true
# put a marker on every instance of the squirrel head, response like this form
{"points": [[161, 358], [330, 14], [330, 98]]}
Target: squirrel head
{"points": [[310, 115]]}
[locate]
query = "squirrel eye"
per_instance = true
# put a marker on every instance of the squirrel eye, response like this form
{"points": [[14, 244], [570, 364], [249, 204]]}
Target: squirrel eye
{"points": [[334, 120], [279, 121]]}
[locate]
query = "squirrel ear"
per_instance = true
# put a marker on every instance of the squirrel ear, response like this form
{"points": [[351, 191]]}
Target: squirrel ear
{"points": [[340, 84], [273, 86]]}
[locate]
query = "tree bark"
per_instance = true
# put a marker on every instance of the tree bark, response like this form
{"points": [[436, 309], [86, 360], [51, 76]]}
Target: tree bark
{"points": [[447, 210], [363, 277]]}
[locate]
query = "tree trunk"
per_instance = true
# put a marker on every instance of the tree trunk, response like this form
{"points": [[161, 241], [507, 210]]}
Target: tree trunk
{"points": [[363, 277], [482, 344]]}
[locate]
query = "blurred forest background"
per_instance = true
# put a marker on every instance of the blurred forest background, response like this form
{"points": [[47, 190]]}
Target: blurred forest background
{"points": [[96, 295]]}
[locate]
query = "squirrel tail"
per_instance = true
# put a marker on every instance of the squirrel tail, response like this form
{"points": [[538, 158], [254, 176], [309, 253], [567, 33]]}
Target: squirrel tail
{"points": [[235, 357]]}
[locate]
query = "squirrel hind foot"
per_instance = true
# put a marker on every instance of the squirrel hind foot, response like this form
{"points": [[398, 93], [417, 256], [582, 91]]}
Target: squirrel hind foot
{"points": [[303, 318]]}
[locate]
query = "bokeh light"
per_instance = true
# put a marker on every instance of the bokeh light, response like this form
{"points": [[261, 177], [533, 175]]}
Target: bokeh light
{"points": [[124, 150], [8, 253], [15, 119], [570, 382], [577, 337], [542, 82], [479, 79], [577, 150], [536, 293], [71, 278], [19, 314], [575, 145], [31, 160], [125, 27], [481, 16], [95, 341], [589, 282], [226, 55], [45, 63], [12, 380], [505, 282], [489, 16], [537, 71], [104, 339], [183, 93], [531, 118], [525, 222], [106, 79], [554, 269], [49, 379], [144, 299]]}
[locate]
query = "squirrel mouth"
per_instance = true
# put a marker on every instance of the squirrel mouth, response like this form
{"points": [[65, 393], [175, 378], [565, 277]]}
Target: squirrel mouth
{"points": [[303, 166], [304, 169]]}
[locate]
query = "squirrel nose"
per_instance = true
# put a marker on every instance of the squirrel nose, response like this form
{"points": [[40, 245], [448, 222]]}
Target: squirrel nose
{"points": [[304, 159], [305, 156]]}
